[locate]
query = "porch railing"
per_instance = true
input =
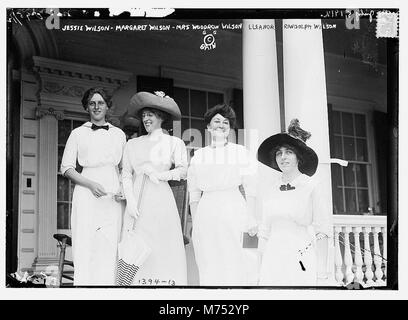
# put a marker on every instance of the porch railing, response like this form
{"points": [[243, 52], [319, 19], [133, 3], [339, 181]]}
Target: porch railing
{"points": [[360, 250]]}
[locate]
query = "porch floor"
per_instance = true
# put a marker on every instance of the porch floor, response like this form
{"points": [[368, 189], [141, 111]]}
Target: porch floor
{"points": [[192, 270]]}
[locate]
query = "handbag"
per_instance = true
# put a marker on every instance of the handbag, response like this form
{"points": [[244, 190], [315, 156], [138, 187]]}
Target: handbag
{"points": [[249, 242]]}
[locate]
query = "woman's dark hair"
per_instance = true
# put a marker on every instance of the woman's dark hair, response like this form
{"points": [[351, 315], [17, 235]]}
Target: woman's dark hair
{"points": [[272, 154], [159, 113], [90, 93], [223, 109]]}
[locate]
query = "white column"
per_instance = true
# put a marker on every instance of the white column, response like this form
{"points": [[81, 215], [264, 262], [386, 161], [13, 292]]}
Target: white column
{"points": [[260, 89], [305, 87], [260, 78], [305, 93], [47, 202], [261, 99]]}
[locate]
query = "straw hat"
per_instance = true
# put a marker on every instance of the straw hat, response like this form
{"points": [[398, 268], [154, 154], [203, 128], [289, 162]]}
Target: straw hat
{"points": [[158, 101]]}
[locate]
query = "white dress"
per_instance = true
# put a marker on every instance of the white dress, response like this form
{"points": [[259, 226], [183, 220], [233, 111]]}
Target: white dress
{"points": [[290, 221], [95, 222], [214, 177], [159, 221]]}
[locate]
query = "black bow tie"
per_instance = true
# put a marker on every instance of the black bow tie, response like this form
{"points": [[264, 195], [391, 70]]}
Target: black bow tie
{"points": [[95, 127], [286, 187]]}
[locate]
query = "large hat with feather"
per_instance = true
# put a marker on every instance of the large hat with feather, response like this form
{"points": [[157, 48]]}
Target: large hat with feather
{"points": [[158, 100], [295, 137]]}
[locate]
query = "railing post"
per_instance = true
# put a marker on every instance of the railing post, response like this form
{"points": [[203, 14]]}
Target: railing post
{"points": [[368, 261], [348, 259], [362, 263], [384, 237], [377, 259], [358, 260], [338, 260]]}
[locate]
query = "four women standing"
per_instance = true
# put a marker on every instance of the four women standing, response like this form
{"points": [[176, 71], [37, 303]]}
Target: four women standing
{"points": [[294, 215]]}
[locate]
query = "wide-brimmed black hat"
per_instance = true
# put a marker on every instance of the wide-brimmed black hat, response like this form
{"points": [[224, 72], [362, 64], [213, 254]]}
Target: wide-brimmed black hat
{"points": [[158, 101], [295, 137]]}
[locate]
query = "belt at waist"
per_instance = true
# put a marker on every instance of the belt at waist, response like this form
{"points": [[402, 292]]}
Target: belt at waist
{"points": [[107, 167]]}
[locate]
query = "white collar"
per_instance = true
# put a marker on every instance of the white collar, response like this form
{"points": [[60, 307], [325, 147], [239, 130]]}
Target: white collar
{"points": [[155, 134], [220, 145], [295, 181]]}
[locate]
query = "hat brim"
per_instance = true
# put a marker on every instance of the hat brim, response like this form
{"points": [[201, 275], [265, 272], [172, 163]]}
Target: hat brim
{"points": [[309, 156], [144, 99]]}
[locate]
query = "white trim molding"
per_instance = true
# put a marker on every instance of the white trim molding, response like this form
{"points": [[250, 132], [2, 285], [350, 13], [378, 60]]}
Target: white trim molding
{"points": [[62, 83], [347, 103], [359, 220], [187, 78]]}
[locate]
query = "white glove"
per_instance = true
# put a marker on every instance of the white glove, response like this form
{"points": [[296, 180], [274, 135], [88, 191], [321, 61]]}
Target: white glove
{"points": [[131, 203], [164, 175], [131, 207], [156, 177], [252, 225], [147, 168], [153, 177]]}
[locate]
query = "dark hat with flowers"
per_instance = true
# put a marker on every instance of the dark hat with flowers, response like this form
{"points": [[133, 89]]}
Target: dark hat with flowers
{"points": [[157, 100], [296, 138]]}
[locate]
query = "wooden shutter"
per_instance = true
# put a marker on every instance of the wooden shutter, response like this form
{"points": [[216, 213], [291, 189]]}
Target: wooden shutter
{"points": [[238, 104], [382, 152]]}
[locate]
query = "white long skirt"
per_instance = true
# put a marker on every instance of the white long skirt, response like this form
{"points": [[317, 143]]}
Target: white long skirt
{"points": [[96, 225], [217, 238], [160, 226], [280, 262]]}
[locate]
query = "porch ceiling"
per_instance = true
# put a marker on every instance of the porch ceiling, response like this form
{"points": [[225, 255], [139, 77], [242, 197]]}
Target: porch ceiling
{"points": [[350, 67], [135, 50], [360, 44]]}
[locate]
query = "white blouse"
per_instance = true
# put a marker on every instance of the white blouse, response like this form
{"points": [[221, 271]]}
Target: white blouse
{"points": [[221, 168], [305, 205], [93, 148], [158, 152]]}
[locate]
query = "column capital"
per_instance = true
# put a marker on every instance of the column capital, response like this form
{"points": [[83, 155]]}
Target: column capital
{"points": [[41, 112]]}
